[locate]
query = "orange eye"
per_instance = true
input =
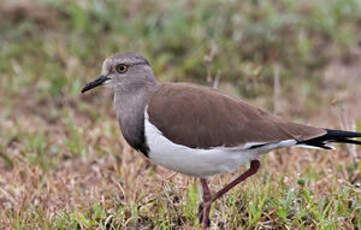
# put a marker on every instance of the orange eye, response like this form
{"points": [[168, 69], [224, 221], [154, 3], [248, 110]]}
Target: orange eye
{"points": [[121, 68]]}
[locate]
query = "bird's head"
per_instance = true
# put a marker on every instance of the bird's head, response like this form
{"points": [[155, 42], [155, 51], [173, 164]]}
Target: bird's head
{"points": [[123, 71]]}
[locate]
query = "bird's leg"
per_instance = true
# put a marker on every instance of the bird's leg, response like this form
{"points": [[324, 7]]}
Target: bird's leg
{"points": [[255, 164], [205, 206]]}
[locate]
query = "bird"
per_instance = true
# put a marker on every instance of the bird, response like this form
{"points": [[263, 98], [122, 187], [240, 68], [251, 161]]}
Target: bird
{"points": [[196, 130]]}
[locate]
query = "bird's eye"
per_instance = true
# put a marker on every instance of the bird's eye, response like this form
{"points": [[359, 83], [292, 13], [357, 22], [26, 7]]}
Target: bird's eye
{"points": [[121, 68]]}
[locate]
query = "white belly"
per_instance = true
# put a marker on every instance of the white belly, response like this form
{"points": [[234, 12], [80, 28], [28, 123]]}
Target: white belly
{"points": [[200, 162]]}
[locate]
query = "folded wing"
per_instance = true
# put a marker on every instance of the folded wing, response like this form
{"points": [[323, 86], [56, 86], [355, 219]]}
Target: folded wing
{"points": [[200, 117]]}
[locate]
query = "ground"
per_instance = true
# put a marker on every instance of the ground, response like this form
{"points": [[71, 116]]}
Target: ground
{"points": [[64, 164]]}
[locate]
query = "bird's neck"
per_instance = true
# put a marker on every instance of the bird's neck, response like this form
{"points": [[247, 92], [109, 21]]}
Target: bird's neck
{"points": [[129, 107]]}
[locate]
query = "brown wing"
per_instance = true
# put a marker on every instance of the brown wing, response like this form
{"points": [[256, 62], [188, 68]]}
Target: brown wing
{"points": [[201, 117]]}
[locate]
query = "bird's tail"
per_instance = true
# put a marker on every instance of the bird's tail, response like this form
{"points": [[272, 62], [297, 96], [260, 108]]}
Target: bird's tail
{"points": [[337, 136]]}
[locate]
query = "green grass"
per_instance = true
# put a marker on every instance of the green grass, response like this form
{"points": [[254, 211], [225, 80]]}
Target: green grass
{"points": [[64, 165]]}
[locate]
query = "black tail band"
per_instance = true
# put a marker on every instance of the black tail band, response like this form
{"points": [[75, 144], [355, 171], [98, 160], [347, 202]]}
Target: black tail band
{"points": [[337, 136]]}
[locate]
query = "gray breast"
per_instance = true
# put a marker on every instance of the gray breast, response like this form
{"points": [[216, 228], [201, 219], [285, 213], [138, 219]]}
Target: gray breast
{"points": [[129, 107]]}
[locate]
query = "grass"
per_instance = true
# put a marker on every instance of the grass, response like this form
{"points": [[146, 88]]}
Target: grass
{"points": [[64, 165]]}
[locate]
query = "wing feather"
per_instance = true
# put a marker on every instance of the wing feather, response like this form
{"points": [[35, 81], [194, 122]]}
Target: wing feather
{"points": [[201, 117]]}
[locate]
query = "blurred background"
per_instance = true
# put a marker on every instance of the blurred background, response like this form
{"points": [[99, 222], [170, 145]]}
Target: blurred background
{"points": [[64, 165]]}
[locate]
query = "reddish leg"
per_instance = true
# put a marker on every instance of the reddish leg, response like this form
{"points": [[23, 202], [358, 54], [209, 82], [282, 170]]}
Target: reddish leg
{"points": [[208, 199], [205, 207], [255, 164]]}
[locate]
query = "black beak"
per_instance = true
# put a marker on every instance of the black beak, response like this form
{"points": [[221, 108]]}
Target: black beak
{"points": [[99, 81]]}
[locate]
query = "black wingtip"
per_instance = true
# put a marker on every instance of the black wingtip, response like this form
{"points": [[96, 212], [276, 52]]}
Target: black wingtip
{"points": [[341, 133], [336, 136]]}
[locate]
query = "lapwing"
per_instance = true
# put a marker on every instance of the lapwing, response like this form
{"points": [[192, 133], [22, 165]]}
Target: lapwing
{"points": [[196, 130]]}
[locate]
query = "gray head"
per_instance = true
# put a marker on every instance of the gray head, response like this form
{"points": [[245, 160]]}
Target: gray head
{"points": [[124, 72]]}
